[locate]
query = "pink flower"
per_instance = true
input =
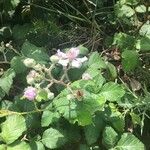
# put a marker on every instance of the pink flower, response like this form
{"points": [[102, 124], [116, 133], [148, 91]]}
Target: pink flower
{"points": [[72, 53], [30, 93], [61, 54], [70, 57], [86, 76]]}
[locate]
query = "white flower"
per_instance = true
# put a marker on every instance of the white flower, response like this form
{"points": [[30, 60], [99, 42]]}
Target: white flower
{"points": [[70, 58], [63, 62]]}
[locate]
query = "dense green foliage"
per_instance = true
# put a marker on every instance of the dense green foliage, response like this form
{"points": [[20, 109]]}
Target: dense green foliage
{"points": [[110, 110]]}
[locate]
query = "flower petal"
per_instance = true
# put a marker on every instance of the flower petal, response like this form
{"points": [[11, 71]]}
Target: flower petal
{"points": [[61, 54], [75, 63], [72, 53], [63, 62]]}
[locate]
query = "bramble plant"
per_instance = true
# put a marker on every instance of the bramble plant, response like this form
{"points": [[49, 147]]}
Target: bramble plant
{"points": [[74, 75], [90, 104]]}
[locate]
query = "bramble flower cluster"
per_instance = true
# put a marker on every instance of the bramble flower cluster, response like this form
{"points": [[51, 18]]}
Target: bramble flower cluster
{"points": [[40, 78], [33, 77]]}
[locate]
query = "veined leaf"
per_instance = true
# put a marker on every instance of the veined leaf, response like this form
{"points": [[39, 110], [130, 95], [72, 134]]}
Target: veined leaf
{"points": [[129, 142], [53, 138], [12, 128], [110, 137], [112, 91]]}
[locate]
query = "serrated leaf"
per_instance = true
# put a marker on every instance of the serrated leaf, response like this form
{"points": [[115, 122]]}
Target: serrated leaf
{"points": [[12, 128], [123, 41], [129, 142], [49, 117], [17, 65], [135, 118], [117, 121], [6, 80], [112, 70], [42, 95], [31, 51], [129, 60], [92, 131], [37, 145], [19, 146], [143, 44], [110, 137], [145, 30], [84, 117], [15, 3], [130, 2], [112, 91], [124, 11], [53, 138], [96, 60]]}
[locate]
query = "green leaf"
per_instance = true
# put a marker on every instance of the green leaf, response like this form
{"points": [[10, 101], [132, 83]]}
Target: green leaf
{"points": [[2, 93], [124, 11], [141, 9], [129, 142], [32, 119], [42, 95], [52, 138], [96, 61], [92, 131], [112, 70], [21, 31], [37, 145], [49, 117], [129, 60], [19, 146], [6, 80], [112, 91], [135, 119], [83, 50], [84, 147], [123, 41], [143, 44], [130, 2], [31, 51], [66, 107], [12, 128], [3, 147], [84, 117], [15, 3], [110, 137], [145, 30], [18, 65]]}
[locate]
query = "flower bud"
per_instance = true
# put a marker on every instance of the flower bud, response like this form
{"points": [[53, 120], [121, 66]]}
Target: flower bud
{"points": [[54, 59], [38, 67], [30, 80], [70, 96], [50, 95], [29, 62], [30, 93], [86, 76], [33, 77]]}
